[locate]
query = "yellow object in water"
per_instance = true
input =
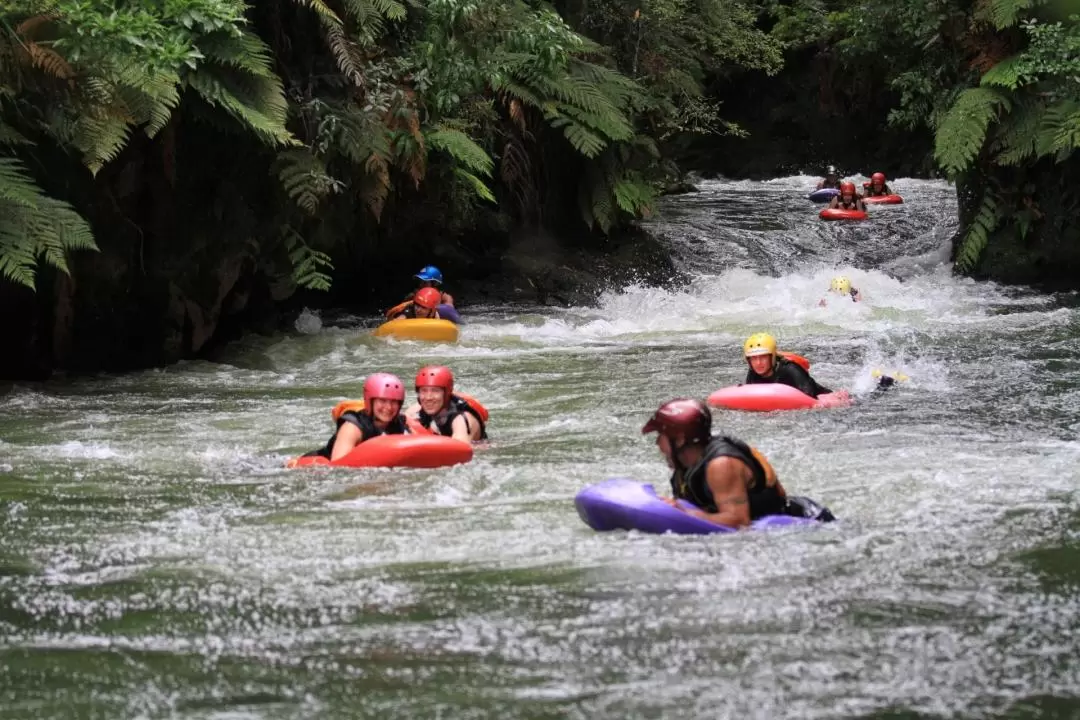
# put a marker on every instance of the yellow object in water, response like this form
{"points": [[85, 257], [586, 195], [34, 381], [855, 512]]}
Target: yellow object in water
{"points": [[897, 375], [419, 329]]}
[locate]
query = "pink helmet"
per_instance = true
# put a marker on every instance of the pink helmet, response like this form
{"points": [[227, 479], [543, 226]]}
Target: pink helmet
{"points": [[385, 386]]}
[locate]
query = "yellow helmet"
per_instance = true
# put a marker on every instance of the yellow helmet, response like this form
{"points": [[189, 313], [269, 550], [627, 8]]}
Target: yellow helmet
{"points": [[840, 284], [759, 344]]}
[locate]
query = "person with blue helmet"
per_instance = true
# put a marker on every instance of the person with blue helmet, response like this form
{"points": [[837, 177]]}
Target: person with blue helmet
{"points": [[429, 277]]}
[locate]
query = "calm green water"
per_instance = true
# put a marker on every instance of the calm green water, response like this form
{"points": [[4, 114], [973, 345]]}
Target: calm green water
{"points": [[156, 560]]}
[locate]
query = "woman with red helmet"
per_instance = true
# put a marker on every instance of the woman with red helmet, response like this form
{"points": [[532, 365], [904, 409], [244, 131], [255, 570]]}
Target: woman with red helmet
{"points": [[423, 305], [877, 186], [438, 409], [429, 277], [731, 482], [384, 395], [848, 199]]}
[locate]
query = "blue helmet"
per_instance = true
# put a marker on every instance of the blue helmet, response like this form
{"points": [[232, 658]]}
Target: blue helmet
{"points": [[431, 274]]}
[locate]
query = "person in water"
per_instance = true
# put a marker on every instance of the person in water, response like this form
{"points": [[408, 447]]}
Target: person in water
{"points": [[431, 277], [848, 199], [438, 409], [384, 395], [423, 305], [877, 187], [767, 366], [731, 482], [842, 286], [832, 178]]}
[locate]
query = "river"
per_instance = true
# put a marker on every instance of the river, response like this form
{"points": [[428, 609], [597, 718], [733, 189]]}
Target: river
{"points": [[156, 560]]}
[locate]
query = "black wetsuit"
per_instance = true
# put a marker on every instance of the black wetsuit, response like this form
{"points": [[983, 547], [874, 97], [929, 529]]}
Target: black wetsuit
{"points": [[367, 428], [445, 425], [789, 373]]}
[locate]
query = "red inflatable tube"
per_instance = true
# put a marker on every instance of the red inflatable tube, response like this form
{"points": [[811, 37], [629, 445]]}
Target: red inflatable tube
{"points": [[767, 397], [412, 451], [883, 200], [838, 214]]}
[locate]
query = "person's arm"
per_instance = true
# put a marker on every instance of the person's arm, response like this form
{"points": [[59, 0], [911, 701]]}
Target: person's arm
{"points": [[727, 478], [835, 202], [859, 204], [413, 411], [348, 437], [793, 375], [460, 429], [448, 299]]}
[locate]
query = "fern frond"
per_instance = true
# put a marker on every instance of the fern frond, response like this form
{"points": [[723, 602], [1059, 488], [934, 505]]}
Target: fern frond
{"points": [[48, 61], [320, 8], [476, 184], [11, 136], [258, 103], [308, 263], [304, 178], [378, 187], [33, 225], [461, 148], [978, 233], [1009, 73], [346, 54], [582, 139], [1059, 134], [1019, 133], [962, 132], [634, 196], [1003, 13], [100, 139]]}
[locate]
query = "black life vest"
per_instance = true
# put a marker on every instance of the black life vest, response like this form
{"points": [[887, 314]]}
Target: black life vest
{"points": [[445, 425], [367, 429], [764, 491]]}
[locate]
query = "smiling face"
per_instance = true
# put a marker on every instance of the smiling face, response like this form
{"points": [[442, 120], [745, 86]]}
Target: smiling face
{"points": [[431, 399], [761, 364], [385, 410], [423, 312]]}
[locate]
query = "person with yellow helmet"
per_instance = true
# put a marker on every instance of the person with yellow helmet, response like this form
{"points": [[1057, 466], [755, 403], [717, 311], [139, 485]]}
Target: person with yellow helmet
{"points": [[842, 286], [768, 366]]}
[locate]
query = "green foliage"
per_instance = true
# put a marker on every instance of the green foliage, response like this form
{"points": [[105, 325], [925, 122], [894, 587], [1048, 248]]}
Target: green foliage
{"points": [[962, 133], [978, 232], [33, 226], [308, 264]]}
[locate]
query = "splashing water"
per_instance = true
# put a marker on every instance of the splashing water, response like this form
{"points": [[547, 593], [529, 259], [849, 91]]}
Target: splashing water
{"points": [[156, 559]]}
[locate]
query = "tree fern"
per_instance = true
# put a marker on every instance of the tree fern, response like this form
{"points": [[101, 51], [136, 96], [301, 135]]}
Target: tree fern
{"points": [[1059, 134], [978, 233], [308, 264], [1003, 13], [33, 226], [1018, 136], [304, 177], [462, 148], [962, 132]]}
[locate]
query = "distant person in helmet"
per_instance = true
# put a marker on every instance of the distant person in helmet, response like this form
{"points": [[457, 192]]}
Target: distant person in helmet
{"points": [[440, 410], [767, 366], [423, 305], [842, 286], [832, 178], [731, 482], [384, 395], [848, 199], [876, 187], [431, 276]]}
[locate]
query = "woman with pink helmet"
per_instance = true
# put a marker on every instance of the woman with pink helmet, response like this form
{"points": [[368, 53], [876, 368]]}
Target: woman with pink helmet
{"points": [[384, 395]]}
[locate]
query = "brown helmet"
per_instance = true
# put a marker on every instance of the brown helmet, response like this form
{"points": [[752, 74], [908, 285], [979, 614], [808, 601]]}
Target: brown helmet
{"points": [[686, 416]]}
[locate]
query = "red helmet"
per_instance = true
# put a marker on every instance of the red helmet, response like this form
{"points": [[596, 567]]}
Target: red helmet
{"points": [[691, 418], [385, 386], [427, 297], [847, 187], [435, 376], [878, 178]]}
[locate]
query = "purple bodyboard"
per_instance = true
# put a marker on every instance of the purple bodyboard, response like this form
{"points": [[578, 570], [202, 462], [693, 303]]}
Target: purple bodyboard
{"points": [[823, 195], [625, 504]]}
